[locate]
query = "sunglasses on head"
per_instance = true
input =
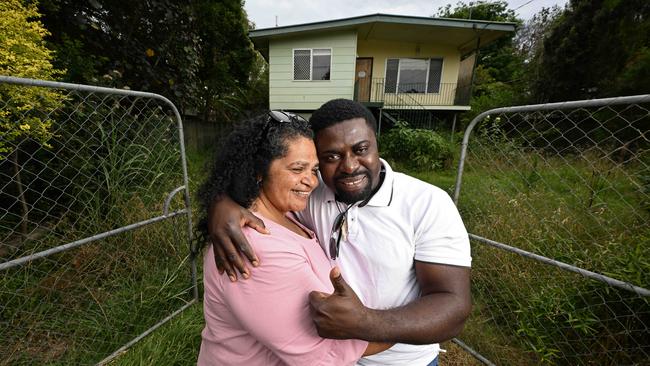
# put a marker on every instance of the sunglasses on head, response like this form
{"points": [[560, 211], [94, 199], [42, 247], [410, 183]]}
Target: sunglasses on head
{"points": [[282, 116]]}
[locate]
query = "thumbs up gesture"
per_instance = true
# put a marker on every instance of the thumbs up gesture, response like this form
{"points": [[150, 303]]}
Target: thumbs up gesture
{"points": [[338, 315]]}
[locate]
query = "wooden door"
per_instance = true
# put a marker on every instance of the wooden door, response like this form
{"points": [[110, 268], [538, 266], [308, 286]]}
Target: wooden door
{"points": [[363, 79]]}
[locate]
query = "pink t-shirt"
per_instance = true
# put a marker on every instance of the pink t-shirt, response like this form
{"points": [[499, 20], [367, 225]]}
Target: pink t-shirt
{"points": [[266, 320]]}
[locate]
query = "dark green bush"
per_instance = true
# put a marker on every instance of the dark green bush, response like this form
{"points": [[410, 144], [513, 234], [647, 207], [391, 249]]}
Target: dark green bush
{"points": [[416, 148]]}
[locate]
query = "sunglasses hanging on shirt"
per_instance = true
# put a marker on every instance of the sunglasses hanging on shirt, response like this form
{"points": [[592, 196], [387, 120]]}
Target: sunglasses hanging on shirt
{"points": [[339, 228]]}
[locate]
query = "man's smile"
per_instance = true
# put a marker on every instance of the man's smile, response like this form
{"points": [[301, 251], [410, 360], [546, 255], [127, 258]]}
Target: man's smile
{"points": [[353, 182]]}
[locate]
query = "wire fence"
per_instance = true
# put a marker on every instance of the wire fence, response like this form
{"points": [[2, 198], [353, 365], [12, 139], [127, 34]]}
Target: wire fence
{"points": [[557, 200], [95, 227], [94, 220]]}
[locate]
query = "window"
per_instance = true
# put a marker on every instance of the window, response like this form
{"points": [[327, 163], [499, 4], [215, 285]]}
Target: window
{"points": [[413, 75], [312, 64]]}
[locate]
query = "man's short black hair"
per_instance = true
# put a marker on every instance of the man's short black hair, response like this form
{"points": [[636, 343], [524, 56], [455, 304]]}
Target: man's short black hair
{"points": [[339, 110]]}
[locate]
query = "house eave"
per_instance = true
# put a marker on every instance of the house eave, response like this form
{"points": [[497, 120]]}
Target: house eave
{"points": [[486, 31], [350, 23]]}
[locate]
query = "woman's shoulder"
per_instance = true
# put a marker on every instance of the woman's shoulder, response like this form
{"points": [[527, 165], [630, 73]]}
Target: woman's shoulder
{"points": [[280, 240]]}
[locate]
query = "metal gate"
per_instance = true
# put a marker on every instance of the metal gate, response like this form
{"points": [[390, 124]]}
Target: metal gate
{"points": [[556, 198], [95, 242]]}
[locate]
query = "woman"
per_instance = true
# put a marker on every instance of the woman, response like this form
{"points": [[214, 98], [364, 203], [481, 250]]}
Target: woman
{"points": [[269, 164]]}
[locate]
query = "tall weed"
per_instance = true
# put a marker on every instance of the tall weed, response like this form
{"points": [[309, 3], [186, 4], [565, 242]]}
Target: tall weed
{"points": [[582, 209], [112, 163]]}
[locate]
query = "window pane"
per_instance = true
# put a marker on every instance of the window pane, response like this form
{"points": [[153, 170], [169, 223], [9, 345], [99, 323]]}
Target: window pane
{"points": [[301, 64], [435, 74], [322, 62], [391, 75], [412, 75], [322, 52]]}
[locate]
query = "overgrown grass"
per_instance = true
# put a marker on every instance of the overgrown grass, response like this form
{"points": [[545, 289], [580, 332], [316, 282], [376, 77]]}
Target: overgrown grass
{"points": [[78, 306], [108, 169], [175, 343], [525, 313], [582, 209]]}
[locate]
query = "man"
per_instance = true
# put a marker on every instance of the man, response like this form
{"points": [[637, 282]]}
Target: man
{"points": [[398, 241]]}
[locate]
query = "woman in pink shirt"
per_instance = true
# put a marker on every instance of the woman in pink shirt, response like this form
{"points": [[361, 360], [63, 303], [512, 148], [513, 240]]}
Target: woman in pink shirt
{"points": [[269, 164]]}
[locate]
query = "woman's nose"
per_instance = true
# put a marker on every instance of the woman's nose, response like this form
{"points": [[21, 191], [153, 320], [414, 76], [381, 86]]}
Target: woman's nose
{"points": [[310, 180]]}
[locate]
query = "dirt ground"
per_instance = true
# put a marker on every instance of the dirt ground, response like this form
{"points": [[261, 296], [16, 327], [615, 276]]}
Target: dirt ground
{"points": [[456, 356]]}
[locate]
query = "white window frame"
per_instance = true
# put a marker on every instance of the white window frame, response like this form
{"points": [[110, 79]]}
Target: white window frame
{"points": [[426, 81], [311, 63]]}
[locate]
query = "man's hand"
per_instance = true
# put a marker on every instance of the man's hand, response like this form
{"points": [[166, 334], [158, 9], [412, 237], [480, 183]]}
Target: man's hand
{"points": [[225, 220], [438, 315], [339, 315]]}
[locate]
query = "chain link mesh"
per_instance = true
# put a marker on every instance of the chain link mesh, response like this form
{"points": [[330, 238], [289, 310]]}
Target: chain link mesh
{"points": [[572, 185], [111, 162]]}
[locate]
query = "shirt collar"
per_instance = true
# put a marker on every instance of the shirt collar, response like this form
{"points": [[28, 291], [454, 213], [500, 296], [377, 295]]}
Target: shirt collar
{"points": [[382, 197]]}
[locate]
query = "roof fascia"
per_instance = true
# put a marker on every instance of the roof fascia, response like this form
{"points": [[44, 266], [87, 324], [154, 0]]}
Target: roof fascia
{"points": [[383, 18]]}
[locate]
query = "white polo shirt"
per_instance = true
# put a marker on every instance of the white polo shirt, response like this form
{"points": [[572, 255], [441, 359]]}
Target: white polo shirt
{"points": [[406, 220]]}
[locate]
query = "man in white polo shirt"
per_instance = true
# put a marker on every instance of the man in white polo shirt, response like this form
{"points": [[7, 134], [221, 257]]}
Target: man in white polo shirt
{"points": [[399, 243]]}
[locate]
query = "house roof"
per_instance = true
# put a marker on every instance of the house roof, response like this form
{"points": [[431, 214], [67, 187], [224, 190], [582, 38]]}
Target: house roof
{"points": [[461, 33]]}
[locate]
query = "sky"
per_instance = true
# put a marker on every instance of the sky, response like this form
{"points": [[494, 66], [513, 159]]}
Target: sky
{"points": [[289, 12]]}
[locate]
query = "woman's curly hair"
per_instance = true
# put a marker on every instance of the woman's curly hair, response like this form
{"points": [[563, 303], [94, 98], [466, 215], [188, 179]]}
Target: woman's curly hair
{"points": [[246, 154]]}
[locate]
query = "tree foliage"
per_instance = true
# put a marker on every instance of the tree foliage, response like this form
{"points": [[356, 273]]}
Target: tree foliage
{"points": [[595, 48], [499, 59], [589, 49], [479, 10], [227, 54], [499, 69], [193, 52], [23, 54], [530, 35]]}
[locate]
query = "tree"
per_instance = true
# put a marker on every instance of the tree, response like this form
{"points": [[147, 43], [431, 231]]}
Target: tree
{"points": [[500, 58], [193, 52], [499, 69], [150, 44], [530, 35], [24, 110], [228, 57], [595, 48]]}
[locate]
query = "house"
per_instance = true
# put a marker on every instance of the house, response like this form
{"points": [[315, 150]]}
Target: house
{"points": [[390, 63]]}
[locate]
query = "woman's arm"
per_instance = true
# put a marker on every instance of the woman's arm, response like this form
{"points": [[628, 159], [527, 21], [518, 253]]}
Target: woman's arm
{"points": [[273, 307]]}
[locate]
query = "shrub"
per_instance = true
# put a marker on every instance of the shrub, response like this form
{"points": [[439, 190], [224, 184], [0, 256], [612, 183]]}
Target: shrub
{"points": [[416, 148], [23, 54]]}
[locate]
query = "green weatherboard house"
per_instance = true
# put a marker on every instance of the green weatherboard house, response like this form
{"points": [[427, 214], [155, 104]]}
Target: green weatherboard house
{"points": [[387, 62]]}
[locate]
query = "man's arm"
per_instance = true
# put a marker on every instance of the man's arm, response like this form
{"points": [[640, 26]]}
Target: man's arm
{"points": [[438, 315], [225, 220]]}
